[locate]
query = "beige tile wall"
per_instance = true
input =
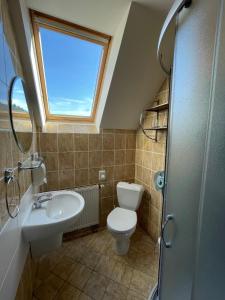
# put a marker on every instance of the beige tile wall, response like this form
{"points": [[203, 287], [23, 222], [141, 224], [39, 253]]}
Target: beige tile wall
{"points": [[150, 158], [9, 152], [72, 127], [74, 160]]}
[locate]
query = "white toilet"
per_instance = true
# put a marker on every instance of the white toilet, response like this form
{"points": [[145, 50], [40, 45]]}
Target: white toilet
{"points": [[122, 221]]}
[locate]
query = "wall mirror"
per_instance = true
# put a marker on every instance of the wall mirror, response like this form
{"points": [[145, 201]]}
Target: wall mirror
{"points": [[20, 117]]}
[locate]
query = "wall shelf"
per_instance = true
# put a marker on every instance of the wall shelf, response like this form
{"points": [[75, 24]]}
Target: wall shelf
{"points": [[157, 109], [30, 164], [157, 128], [160, 107]]}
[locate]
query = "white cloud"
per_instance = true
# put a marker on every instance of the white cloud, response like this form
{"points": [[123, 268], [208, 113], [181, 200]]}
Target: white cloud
{"points": [[70, 106], [64, 100], [19, 91]]}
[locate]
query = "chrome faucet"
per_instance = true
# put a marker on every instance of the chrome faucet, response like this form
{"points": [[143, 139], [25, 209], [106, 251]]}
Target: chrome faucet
{"points": [[41, 199]]}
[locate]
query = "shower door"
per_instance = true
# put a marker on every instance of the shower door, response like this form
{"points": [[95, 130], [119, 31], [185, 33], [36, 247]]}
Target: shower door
{"points": [[187, 197]]}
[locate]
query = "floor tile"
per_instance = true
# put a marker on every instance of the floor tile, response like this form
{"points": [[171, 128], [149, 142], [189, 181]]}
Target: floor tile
{"points": [[79, 276], [105, 266], [84, 297], [63, 249], [76, 251], [64, 268], [37, 283], [68, 292], [49, 288], [115, 291], [155, 267], [140, 282], [144, 263], [129, 258], [122, 274], [90, 258], [46, 263], [88, 268], [87, 240], [133, 295], [144, 246], [96, 286], [43, 268], [99, 243]]}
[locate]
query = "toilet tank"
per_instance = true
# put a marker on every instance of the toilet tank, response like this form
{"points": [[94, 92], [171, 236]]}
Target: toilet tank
{"points": [[129, 195]]}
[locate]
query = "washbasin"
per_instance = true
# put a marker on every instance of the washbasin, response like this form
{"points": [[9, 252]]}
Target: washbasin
{"points": [[64, 205], [44, 226]]}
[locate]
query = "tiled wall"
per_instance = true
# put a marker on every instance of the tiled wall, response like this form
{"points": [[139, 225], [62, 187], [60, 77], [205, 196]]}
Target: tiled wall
{"points": [[74, 160], [150, 158], [10, 229], [9, 67]]}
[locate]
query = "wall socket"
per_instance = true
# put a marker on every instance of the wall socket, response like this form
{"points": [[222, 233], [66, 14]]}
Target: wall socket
{"points": [[102, 175]]}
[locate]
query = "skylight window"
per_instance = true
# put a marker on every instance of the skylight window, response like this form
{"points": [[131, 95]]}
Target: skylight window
{"points": [[71, 62]]}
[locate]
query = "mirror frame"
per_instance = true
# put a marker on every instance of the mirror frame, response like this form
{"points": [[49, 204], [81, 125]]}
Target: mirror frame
{"points": [[10, 93]]}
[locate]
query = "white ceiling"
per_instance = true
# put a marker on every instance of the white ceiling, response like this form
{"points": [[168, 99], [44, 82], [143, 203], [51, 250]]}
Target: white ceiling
{"points": [[137, 75], [162, 5], [101, 15]]}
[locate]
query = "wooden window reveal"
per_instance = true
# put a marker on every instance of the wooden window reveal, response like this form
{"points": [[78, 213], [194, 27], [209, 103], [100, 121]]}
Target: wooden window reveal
{"points": [[96, 41]]}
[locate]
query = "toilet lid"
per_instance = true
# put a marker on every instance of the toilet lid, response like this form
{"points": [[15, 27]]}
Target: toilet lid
{"points": [[121, 219]]}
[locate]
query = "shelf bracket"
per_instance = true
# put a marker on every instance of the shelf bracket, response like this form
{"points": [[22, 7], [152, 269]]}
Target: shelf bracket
{"points": [[143, 130]]}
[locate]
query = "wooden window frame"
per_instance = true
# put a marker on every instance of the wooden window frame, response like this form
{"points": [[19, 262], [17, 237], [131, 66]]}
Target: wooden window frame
{"points": [[105, 42], [17, 115]]}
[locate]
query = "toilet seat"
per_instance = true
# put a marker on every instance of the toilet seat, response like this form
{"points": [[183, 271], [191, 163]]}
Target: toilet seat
{"points": [[122, 220]]}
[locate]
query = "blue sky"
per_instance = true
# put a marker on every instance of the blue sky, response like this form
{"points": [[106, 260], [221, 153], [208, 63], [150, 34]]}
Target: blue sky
{"points": [[19, 103], [19, 98], [18, 95], [71, 70]]}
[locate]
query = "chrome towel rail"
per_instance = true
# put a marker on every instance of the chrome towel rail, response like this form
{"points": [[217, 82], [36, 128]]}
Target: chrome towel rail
{"points": [[10, 178]]}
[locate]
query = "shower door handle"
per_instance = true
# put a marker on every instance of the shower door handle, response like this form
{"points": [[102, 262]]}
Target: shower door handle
{"points": [[168, 219], [177, 6]]}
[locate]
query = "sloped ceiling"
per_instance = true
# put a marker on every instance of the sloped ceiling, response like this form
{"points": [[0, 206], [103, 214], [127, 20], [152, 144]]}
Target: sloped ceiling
{"points": [[133, 75], [101, 15], [137, 75]]}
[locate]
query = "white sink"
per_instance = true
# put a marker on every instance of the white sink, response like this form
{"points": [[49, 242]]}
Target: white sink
{"points": [[64, 205], [45, 225]]}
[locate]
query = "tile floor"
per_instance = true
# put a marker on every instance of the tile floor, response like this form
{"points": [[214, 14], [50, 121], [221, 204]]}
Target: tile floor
{"points": [[87, 268]]}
